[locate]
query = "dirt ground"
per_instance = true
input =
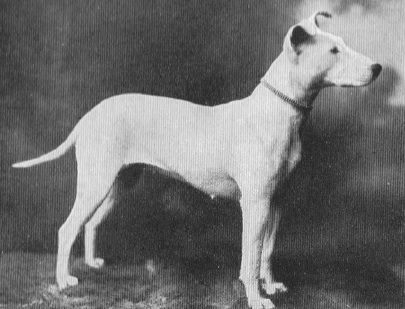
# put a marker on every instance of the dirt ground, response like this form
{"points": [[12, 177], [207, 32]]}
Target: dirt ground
{"points": [[27, 281]]}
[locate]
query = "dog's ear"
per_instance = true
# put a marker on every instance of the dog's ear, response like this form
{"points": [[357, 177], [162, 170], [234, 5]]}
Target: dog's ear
{"points": [[298, 36], [314, 17]]}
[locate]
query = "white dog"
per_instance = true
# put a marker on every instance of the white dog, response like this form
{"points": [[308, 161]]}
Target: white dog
{"points": [[241, 150]]}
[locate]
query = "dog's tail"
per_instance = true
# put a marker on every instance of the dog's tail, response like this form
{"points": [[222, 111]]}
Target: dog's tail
{"points": [[52, 155]]}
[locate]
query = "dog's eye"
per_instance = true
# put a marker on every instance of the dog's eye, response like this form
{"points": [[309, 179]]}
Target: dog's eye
{"points": [[334, 50]]}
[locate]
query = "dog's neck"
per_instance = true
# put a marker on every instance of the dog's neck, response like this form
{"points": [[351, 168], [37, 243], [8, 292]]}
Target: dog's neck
{"points": [[280, 80]]}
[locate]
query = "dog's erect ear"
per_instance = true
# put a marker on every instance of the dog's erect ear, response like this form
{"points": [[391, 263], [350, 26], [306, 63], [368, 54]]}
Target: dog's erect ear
{"points": [[297, 36]]}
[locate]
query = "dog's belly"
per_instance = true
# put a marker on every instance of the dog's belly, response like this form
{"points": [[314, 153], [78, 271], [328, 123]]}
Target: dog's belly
{"points": [[214, 184]]}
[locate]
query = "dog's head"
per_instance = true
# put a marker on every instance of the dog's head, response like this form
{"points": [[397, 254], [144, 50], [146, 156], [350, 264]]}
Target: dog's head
{"points": [[320, 59]]}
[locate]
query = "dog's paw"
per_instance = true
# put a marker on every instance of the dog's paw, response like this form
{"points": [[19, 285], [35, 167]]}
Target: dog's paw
{"points": [[274, 287], [260, 303], [256, 300], [95, 263], [67, 281]]}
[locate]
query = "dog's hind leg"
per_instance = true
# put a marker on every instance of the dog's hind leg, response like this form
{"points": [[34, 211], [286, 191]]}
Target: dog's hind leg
{"points": [[269, 285], [94, 182], [91, 226]]}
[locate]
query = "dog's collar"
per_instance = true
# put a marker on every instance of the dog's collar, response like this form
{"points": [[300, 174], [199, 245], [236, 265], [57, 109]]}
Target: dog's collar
{"points": [[301, 105]]}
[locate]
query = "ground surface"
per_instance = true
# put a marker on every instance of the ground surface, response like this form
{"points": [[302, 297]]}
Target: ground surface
{"points": [[27, 281]]}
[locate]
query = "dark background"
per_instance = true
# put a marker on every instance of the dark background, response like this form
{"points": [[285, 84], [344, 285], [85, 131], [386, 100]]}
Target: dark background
{"points": [[58, 59]]}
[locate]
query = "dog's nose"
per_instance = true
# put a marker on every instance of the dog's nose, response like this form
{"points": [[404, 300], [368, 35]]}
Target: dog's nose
{"points": [[376, 69]]}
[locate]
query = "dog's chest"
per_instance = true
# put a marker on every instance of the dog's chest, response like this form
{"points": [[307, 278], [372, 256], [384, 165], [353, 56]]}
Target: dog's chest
{"points": [[293, 155], [282, 151]]}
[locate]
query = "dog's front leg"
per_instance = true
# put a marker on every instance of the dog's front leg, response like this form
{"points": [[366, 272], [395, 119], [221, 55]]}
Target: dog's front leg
{"points": [[266, 277], [255, 214]]}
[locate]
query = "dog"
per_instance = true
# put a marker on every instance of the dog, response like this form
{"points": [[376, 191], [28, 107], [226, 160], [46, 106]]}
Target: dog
{"points": [[242, 150]]}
